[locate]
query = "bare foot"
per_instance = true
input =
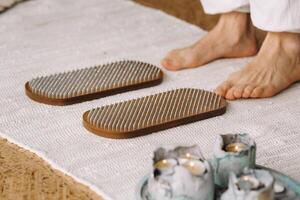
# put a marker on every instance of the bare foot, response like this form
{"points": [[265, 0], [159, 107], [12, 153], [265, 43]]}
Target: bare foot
{"points": [[275, 68], [232, 37]]}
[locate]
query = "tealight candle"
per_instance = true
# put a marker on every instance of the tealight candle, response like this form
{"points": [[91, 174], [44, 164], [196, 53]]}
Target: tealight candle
{"points": [[180, 173], [236, 147], [188, 155], [195, 167], [278, 187], [187, 158], [232, 153], [248, 183], [165, 164], [252, 184]]}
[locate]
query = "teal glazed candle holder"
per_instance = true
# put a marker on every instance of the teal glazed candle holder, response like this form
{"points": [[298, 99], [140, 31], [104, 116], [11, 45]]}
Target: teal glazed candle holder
{"points": [[250, 185], [180, 173], [232, 153]]}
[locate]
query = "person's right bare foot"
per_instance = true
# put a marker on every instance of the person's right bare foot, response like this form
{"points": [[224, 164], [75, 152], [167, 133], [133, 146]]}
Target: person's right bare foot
{"points": [[232, 37], [275, 68]]}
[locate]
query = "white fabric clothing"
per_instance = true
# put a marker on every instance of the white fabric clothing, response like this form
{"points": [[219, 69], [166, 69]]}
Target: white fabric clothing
{"points": [[275, 15], [224, 6]]}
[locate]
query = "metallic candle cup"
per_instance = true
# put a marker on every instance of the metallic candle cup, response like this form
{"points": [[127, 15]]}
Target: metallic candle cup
{"points": [[232, 153], [180, 173], [251, 185]]}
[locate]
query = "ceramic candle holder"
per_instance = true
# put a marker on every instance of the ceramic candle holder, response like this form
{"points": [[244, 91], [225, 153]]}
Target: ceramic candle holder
{"points": [[251, 185], [180, 173], [232, 153]]}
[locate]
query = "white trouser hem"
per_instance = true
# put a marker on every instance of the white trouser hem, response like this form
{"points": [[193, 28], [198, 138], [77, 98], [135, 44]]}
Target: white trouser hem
{"points": [[270, 15], [225, 6], [276, 15], [275, 29], [244, 9]]}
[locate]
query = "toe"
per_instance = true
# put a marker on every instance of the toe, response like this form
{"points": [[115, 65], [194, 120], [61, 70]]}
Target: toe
{"points": [[229, 95], [223, 88], [269, 91], [168, 64], [248, 91], [238, 91], [257, 92], [172, 61]]}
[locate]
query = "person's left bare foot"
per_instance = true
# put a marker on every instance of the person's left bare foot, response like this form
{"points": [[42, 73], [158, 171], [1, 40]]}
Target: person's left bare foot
{"points": [[275, 68], [232, 37]]}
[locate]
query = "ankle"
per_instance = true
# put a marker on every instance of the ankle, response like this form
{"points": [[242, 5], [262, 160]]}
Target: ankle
{"points": [[289, 42], [239, 21], [237, 24]]}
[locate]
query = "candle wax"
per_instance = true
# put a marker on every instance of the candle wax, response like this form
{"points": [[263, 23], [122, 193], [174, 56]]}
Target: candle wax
{"points": [[236, 147], [195, 167], [248, 183], [165, 164]]}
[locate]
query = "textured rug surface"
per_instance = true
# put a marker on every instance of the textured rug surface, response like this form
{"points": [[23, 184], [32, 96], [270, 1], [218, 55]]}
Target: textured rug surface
{"points": [[25, 176], [48, 36], [6, 4]]}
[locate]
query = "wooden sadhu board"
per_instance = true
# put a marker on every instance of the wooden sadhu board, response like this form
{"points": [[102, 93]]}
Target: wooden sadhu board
{"points": [[153, 113], [93, 82]]}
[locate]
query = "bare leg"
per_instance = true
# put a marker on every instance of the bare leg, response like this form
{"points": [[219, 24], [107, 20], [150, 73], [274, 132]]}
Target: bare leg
{"points": [[275, 68], [232, 37]]}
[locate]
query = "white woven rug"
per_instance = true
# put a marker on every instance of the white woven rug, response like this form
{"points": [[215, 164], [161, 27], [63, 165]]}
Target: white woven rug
{"points": [[47, 36]]}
